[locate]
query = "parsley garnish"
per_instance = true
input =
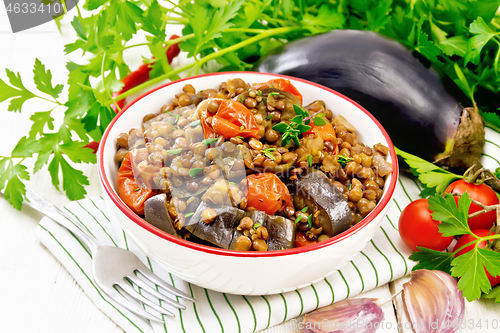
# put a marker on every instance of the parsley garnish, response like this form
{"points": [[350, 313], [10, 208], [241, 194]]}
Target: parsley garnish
{"points": [[242, 100], [239, 137], [242, 128], [256, 225], [137, 189], [259, 93], [208, 142], [269, 117], [268, 153]]}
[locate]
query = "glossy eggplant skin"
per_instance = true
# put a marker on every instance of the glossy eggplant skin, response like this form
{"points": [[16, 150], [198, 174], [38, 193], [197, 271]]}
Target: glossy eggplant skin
{"points": [[318, 193], [281, 233], [220, 231], [381, 75], [156, 213]]}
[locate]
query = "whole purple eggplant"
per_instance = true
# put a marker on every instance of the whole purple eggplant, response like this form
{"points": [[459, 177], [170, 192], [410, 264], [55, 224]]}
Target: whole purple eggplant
{"points": [[380, 74]]}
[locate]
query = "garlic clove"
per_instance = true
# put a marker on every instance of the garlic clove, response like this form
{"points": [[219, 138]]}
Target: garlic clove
{"points": [[433, 302], [357, 315]]}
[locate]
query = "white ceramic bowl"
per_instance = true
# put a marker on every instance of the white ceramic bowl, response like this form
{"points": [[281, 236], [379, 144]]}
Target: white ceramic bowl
{"points": [[247, 273]]}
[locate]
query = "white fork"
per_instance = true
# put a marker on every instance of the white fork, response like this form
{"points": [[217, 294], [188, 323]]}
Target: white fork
{"points": [[114, 268]]}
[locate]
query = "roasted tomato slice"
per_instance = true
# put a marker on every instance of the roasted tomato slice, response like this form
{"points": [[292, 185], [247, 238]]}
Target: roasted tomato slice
{"points": [[266, 192]]}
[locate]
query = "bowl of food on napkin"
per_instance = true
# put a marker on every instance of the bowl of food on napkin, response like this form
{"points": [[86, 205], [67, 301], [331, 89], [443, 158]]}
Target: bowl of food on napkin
{"points": [[247, 183]]}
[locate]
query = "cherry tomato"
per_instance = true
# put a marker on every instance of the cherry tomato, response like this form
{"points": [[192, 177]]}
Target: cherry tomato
{"points": [[326, 131], [232, 119], [481, 193], [281, 84], [129, 191], [302, 240], [266, 192], [418, 228], [465, 239]]}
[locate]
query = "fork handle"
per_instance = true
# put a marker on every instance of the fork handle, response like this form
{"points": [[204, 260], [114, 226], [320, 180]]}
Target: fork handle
{"points": [[60, 217]]}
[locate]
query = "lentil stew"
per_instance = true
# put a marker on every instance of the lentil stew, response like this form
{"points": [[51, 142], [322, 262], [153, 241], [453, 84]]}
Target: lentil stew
{"points": [[248, 167]]}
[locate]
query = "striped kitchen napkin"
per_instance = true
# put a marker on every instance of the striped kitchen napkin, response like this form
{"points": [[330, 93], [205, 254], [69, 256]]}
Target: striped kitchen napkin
{"points": [[384, 259]]}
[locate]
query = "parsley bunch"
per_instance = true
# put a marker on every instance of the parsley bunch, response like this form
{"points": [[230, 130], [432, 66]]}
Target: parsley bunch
{"points": [[298, 125], [469, 267]]}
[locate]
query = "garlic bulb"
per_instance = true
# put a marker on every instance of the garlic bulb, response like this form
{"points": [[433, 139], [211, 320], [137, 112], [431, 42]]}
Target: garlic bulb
{"points": [[433, 302], [357, 315]]}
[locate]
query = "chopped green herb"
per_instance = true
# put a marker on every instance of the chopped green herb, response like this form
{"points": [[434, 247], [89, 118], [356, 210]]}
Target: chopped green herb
{"points": [[274, 93], [195, 123], [310, 221], [318, 121], [303, 210], [240, 137], [264, 100], [292, 130], [269, 117], [309, 160], [246, 89], [189, 214], [137, 189], [208, 142], [175, 151], [256, 225], [176, 119], [242, 128], [297, 220], [268, 153], [342, 159], [259, 93], [194, 171], [242, 100], [282, 248]]}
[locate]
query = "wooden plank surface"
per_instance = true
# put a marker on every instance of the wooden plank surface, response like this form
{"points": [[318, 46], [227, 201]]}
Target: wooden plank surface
{"points": [[38, 294]]}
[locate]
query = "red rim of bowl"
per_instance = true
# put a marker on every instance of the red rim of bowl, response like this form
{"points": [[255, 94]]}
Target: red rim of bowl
{"points": [[252, 254]]}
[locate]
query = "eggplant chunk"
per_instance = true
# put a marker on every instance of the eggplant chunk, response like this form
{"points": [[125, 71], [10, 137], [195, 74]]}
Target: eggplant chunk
{"points": [[379, 73], [257, 216], [220, 231], [281, 233], [156, 214], [317, 192]]}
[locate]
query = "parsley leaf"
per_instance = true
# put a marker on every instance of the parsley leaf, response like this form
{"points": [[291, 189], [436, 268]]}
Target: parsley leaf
{"points": [[494, 294], [483, 34], [40, 120], [11, 175], [470, 268], [43, 80], [429, 174], [453, 219], [431, 259], [17, 91]]}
